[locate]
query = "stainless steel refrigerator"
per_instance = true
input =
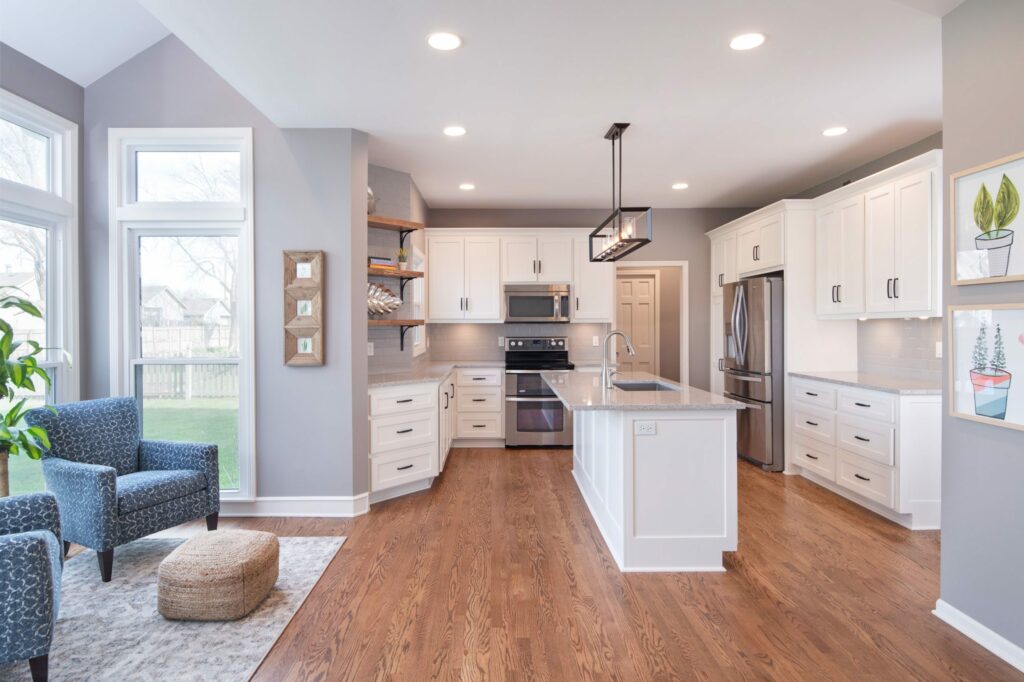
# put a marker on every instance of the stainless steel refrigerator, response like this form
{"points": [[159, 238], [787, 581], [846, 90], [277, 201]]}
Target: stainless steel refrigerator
{"points": [[754, 371]]}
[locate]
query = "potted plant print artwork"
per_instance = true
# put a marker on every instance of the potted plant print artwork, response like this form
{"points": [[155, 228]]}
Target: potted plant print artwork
{"points": [[994, 219], [990, 379]]}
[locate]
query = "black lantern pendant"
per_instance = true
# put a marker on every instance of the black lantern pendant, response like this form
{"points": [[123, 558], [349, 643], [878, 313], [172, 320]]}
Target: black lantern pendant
{"points": [[627, 228]]}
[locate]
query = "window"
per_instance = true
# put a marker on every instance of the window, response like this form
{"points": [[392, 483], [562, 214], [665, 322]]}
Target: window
{"points": [[38, 250], [182, 243]]}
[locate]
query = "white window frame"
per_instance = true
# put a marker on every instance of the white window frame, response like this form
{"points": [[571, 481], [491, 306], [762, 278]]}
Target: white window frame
{"points": [[55, 210], [130, 219]]}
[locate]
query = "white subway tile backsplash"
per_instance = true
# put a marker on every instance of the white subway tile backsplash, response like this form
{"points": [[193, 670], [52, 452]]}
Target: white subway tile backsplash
{"points": [[900, 347]]}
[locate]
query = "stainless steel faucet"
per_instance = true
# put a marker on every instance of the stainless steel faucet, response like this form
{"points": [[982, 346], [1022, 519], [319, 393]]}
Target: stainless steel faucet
{"points": [[606, 372]]}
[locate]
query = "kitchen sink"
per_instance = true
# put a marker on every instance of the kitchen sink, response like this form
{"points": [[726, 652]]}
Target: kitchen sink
{"points": [[644, 386]]}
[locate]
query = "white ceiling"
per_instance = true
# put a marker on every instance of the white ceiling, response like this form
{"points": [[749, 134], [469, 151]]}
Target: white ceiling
{"points": [[79, 39]]}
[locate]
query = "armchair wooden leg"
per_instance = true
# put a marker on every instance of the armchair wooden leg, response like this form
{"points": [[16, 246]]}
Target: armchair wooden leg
{"points": [[211, 521], [67, 548], [106, 559], [40, 667]]}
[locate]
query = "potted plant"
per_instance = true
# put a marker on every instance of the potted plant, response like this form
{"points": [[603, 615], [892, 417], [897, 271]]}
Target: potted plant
{"points": [[403, 258], [988, 215], [991, 380], [19, 369]]}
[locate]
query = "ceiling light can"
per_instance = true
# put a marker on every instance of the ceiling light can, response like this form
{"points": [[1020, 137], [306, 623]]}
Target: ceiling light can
{"points": [[680, 185], [747, 41], [444, 41], [454, 131], [834, 131], [467, 186]]}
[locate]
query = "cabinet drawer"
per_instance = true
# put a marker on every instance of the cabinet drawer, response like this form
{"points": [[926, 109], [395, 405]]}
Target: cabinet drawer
{"points": [[490, 376], [402, 400], [403, 430], [814, 424], [476, 399], [811, 393], [483, 425], [403, 466], [870, 480], [867, 438], [815, 456], [868, 404]]}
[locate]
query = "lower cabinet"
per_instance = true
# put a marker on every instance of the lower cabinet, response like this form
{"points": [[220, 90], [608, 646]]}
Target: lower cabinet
{"points": [[880, 449], [479, 402], [404, 435], [446, 418]]}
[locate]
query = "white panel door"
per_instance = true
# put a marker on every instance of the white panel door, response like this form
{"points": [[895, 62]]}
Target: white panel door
{"points": [[554, 259], [879, 238], [593, 287], [717, 345], [637, 316], [445, 278], [519, 259], [912, 245], [851, 256], [827, 246], [483, 279]]}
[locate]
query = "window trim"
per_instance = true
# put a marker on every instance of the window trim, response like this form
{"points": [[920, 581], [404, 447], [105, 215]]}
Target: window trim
{"points": [[129, 219], [56, 211]]}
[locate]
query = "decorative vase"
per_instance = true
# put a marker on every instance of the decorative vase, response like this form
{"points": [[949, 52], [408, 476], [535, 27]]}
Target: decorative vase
{"points": [[381, 300], [403, 265], [991, 387], [997, 245]]}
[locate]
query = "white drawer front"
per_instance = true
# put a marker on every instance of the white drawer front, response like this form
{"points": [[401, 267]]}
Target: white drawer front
{"points": [[482, 425], [403, 466], [815, 456], [403, 399], [476, 399], [402, 430], [867, 438], [488, 376], [814, 424], [821, 395], [868, 404], [865, 478]]}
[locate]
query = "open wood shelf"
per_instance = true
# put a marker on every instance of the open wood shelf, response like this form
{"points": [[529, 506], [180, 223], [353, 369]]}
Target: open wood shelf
{"points": [[394, 323], [393, 224], [393, 272]]}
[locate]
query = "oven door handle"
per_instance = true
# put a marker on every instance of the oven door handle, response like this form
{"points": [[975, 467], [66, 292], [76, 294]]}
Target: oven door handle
{"points": [[537, 399], [537, 371]]}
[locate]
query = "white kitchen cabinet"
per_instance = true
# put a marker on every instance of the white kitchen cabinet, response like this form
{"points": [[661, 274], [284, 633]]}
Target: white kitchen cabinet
{"points": [[479, 402], [723, 262], [446, 418], [760, 247], [528, 259], [593, 286], [405, 435], [463, 279], [839, 258], [717, 345]]}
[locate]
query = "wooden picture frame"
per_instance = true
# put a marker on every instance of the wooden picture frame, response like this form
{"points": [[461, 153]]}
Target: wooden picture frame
{"points": [[303, 308], [974, 253], [984, 387]]}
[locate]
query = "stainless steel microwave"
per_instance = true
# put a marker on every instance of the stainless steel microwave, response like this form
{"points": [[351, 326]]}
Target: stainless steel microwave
{"points": [[536, 302]]}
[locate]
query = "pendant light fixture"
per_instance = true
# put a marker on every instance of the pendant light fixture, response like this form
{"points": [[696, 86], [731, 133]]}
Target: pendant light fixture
{"points": [[627, 228]]}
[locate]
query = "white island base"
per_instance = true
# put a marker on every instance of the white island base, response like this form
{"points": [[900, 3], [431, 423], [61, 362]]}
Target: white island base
{"points": [[660, 484]]}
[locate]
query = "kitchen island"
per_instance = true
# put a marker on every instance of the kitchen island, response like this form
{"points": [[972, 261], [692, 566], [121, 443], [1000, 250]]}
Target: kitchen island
{"points": [[656, 464]]}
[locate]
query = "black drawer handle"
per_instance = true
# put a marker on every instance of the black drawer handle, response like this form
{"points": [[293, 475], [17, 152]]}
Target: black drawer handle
{"points": [[404, 400], [862, 438], [479, 378], [479, 426], [811, 423], [809, 456], [407, 466], [813, 395], [479, 400], [863, 478], [404, 431], [862, 404]]}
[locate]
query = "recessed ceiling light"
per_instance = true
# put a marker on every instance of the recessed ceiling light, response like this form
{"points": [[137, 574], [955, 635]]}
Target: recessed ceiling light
{"points": [[747, 41], [467, 186], [680, 185], [444, 41], [454, 131], [834, 131]]}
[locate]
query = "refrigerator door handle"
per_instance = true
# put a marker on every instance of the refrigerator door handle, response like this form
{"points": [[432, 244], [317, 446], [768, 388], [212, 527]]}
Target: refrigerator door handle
{"points": [[742, 324]]}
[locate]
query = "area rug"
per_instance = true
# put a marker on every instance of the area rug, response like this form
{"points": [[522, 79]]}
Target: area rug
{"points": [[112, 631]]}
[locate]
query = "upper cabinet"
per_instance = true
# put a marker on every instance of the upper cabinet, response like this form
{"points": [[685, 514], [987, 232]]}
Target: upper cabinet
{"points": [[592, 287], [463, 278], [839, 257], [537, 259], [723, 262], [759, 246]]}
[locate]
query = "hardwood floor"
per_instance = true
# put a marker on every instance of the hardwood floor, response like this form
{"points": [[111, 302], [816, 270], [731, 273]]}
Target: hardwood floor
{"points": [[498, 573]]}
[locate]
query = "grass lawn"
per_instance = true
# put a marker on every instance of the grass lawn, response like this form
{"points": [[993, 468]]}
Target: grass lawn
{"points": [[202, 420]]}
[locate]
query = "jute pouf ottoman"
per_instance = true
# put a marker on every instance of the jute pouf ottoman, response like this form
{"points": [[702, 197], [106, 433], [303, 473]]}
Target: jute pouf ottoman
{"points": [[219, 575]]}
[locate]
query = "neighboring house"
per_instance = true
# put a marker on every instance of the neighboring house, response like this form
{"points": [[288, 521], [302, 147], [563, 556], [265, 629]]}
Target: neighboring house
{"points": [[161, 308], [207, 312]]}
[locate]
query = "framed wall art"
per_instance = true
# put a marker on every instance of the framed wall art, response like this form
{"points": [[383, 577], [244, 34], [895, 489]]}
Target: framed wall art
{"points": [[986, 363], [986, 220], [303, 308]]}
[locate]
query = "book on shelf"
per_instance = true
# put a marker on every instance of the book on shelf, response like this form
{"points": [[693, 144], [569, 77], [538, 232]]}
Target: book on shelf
{"points": [[378, 262]]}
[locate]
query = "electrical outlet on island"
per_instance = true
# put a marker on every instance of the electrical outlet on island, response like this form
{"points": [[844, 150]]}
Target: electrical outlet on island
{"points": [[369, 347]]}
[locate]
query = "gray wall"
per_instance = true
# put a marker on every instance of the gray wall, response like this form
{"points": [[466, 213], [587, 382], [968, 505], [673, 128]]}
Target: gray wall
{"points": [[310, 194], [982, 465], [678, 235]]}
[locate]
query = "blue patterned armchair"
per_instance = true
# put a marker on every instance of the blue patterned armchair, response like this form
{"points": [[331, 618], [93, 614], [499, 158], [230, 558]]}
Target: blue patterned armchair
{"points": [[112, 486], [31, 561]]}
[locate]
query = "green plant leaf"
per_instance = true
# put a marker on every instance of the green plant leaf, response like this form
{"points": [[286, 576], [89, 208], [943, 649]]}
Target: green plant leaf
{"points": [[983, 210], [1007, 203]]}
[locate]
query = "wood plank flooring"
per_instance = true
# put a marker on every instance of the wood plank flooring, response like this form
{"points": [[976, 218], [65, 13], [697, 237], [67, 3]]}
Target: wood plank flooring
{"points": [[498, 573]]}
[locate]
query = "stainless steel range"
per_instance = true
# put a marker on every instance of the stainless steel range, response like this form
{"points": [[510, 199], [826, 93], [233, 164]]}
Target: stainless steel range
{"points": [[534, 417]]}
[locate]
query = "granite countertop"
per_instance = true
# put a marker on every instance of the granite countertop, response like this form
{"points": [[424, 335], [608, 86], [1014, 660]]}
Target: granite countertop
{"points": [[583, 391], [877, 382], [425, 373]]}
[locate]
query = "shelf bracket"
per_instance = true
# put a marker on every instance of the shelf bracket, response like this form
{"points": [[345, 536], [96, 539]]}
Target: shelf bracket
{"points": [[402, 234], [401, 288], [401, 338]]}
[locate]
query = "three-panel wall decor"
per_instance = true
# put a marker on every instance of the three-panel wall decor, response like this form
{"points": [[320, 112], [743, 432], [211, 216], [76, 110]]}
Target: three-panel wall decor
{"points": [[303, 307], [987, 339]]}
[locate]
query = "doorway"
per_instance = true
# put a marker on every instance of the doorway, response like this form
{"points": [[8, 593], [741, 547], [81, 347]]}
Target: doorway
{"points": [[651, 307]]}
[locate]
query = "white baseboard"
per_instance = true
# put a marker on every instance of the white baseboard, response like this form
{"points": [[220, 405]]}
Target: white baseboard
{"points": [[993, 641], [906, 520], [342, 506], [400, 490], [478, 443]]}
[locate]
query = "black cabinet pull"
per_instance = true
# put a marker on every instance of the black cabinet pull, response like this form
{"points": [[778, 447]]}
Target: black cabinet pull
{"points": [[809, 455], [479, 378], [452, 384], [863, 478], [896, 288], [811, 423], [813, 395], [862, 404], [888, 288], [577, 303], [404, 400], [834, 293], [863, 439], [404, 431], [446, 400], [479, 426], [407, 466], [479, 400], [839, 293]]}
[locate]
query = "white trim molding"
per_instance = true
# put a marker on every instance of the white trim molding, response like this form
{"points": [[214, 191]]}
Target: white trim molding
{"points": [[326, 507], [991, 640]]}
